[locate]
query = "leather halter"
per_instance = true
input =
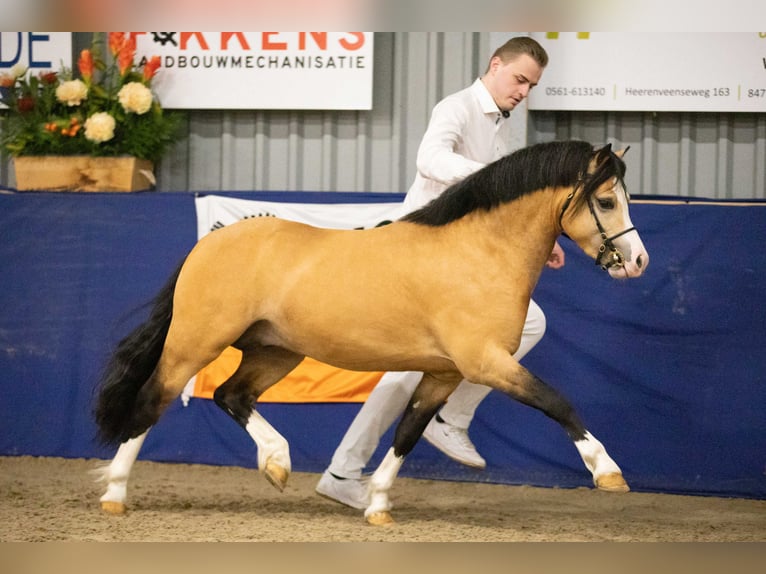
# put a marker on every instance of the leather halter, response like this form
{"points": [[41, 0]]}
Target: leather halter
{"points": [[614, 257]]}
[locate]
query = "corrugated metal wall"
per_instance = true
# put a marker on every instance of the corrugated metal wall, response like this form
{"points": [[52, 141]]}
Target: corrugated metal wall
{"points": [[330, 150], [691, 154], [712, 155]]}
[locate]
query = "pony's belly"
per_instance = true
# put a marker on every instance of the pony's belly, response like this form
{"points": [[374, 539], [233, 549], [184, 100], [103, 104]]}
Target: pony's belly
{"points": [[358, 353], [382, 363]]}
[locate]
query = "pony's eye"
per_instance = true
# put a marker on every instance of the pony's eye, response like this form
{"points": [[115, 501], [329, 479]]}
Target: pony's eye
{"points": [[605, 204]]}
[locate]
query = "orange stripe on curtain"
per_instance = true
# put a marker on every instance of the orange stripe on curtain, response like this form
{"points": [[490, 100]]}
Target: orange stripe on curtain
{"points": [[309, 382]]}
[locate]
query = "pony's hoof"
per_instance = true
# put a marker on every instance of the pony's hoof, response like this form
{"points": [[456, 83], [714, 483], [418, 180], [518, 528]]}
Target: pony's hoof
{"points": [[276, 475], [111, 507], [380, 519], [612, 482]]}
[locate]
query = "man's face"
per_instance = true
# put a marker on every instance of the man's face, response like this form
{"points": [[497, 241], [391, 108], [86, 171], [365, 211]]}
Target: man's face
{"points": [[510, 83]]}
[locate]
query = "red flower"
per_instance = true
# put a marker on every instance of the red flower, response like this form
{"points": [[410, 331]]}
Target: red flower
{"points": [[85, 64], [151, 67], [26, 104], [7, 81], [49, 78]]}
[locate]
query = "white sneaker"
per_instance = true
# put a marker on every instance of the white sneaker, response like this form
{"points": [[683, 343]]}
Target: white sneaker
{"points": [[349, 491], [454, 442]]}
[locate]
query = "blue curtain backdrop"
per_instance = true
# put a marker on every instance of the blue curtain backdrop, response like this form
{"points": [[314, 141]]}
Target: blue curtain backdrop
{"points": [[666, 370]]}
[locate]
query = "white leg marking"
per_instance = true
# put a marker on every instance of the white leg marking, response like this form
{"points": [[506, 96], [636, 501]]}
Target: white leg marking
{"points": [[116, 473], [381, 482], [595, 457], [272, 446]]}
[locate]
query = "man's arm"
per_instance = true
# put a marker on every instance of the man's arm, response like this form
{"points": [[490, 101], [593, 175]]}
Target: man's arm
{"points": [[437, 158]]}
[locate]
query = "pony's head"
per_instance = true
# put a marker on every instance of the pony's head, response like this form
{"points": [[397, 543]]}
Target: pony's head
{"points": [[593, 209], [595, 215]]}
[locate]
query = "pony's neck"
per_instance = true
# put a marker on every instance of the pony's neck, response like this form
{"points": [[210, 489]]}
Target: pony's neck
{"points": [[522, 232]]}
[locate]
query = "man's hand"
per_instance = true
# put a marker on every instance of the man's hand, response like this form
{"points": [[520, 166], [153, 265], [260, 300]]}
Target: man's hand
{"points": [[556, 258]]}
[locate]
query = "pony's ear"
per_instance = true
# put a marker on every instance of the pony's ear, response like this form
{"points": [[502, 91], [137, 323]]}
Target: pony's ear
{"points": [[604, 152], [621, 152]]}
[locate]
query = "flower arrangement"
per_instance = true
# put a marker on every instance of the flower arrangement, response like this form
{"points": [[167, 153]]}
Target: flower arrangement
{"points": [[109, 110]]}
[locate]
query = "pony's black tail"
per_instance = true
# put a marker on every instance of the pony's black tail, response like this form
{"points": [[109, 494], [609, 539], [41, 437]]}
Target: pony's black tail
{"points": [[133, 362]]}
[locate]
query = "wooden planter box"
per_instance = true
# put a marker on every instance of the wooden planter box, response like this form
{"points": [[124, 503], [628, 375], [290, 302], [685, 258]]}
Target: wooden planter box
{"points": [[83, 173]]}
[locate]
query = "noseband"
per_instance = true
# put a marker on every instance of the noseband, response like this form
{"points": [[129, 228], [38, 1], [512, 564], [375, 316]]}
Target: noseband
{"points": [[608, 254]]}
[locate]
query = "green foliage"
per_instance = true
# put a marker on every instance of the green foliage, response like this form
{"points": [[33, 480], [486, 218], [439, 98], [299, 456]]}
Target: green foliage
{"points": [[38, 122]]}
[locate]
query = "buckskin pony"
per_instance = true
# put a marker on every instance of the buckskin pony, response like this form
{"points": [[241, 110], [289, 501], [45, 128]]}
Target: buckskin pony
{"points": [[444, 290]]}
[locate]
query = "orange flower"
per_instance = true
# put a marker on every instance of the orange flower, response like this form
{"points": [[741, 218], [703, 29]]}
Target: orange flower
{"points": [[126, 55], [116, 40], [151, 67], [85, 64]]}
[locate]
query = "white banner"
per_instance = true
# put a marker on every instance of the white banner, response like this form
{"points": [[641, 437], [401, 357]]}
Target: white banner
{"points": [[703, 72], [214, 211], [38, 51], [262, 70]]}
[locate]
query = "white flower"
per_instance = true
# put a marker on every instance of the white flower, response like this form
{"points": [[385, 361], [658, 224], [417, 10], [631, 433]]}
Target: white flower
{"points": [[17, 70], [99, 127], [72, 92], [135, 97]]}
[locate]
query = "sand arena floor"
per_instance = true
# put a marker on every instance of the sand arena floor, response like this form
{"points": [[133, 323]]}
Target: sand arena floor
{"points": [[56, 499]]}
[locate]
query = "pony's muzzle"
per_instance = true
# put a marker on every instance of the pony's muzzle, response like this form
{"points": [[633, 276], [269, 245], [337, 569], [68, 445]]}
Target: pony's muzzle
{"points": [[625, 257], [627, 268]]}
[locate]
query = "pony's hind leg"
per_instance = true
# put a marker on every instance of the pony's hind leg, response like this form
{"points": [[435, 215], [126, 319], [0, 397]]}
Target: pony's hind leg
{"points": [[116, 474], [429, 395], [260, 368]]}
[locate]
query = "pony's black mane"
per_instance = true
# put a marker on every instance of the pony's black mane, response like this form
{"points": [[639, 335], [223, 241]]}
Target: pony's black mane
{"points": [[552, 164]]}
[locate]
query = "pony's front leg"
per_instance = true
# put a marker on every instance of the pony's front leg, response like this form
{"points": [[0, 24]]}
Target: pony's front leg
{"points": [[378, 512], [429, 395], [501, 371], [116, 474], [606, 474]]}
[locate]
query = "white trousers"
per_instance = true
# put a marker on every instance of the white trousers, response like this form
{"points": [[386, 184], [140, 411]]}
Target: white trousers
{"points": [[389, 399]]}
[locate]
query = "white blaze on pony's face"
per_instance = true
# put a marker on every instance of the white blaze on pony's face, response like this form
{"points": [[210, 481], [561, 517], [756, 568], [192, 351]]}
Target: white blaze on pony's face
{"points": [[603, 229], [626, 250]]}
